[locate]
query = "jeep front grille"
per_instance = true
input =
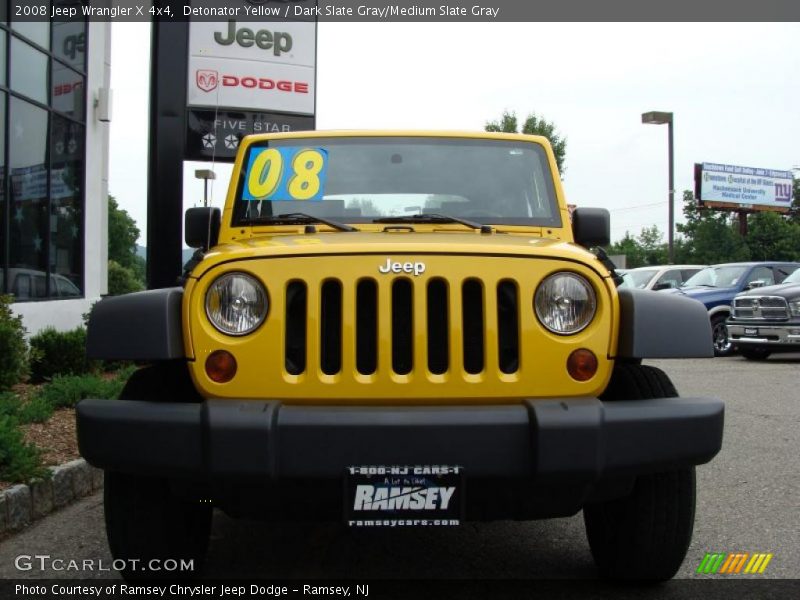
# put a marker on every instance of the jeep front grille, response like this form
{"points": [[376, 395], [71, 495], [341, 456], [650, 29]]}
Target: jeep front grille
{"points": [[419, 324], [765, 308], [341, 329]]}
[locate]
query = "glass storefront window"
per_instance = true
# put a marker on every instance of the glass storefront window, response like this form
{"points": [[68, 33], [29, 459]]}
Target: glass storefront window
{"points": [[36, 31], [2, 191], [28, 71], [66, 215], [69, 43], [27, 164], [2, 57], [68, 91], [41, 176]]}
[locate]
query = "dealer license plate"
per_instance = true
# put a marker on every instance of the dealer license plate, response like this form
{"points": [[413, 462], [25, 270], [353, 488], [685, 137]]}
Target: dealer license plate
{"points": [[404, 496], [751, 331]]}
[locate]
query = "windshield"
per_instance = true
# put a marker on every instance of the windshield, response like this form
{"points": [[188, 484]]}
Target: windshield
{"points": [[793, 278], [716, 277], [359, 179], [637, 279]]}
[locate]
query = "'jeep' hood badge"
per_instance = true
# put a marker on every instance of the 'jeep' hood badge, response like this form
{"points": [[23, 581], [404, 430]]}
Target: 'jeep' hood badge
{"points": [[416, 268]]}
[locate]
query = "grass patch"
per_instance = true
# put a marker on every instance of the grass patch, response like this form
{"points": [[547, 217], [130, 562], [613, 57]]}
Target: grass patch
{"points": [[10, 404], [67, 390], [19, 461], [35, 410]]}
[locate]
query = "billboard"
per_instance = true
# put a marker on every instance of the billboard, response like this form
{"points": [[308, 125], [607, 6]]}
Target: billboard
{"points": [[735, 187], [266, 67], [248, 77]]}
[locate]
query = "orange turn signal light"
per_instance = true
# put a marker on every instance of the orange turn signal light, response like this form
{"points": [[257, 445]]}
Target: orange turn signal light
{"points": [[582, 364], [221, 366]]}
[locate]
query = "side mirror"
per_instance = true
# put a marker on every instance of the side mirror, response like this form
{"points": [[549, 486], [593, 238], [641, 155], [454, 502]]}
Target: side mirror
{"points": [[663, 285], [755, 284], [201, 227], [591, 227]]}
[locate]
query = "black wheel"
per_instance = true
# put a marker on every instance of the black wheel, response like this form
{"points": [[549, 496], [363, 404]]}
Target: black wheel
{"points": [[719, 335], [144, 519], [644, 535], [755, 353], [145, 522]]}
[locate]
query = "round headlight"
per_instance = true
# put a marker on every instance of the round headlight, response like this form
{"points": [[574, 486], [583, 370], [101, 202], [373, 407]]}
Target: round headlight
{"points": [[236, 303], [565, 303]]}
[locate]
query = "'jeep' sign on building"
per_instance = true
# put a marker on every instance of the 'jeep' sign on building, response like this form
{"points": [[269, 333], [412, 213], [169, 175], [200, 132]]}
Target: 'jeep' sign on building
{"points": [[253, 66], [251, 73]]}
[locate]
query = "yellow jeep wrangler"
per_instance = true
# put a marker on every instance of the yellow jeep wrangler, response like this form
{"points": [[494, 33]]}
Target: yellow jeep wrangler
{"points": [[400, 329]]}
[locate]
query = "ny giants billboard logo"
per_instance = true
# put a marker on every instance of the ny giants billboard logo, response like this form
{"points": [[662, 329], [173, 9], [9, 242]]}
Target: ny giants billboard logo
{"points": [[207, 80], [783, 192]]}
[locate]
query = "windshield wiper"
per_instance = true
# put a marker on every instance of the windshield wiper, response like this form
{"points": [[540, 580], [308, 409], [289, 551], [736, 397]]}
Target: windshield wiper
{"points": [[298, 218], [435, 218]]}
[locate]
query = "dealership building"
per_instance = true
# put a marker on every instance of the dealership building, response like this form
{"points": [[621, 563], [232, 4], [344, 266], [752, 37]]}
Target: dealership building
{"points": [[54, 113], [235, 78]]}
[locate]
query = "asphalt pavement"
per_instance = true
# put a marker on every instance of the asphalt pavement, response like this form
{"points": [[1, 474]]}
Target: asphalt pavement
{"points": [[748, 501]]}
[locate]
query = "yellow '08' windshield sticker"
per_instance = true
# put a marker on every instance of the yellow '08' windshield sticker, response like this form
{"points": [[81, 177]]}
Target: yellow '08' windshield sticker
{"points": [[287, 173]]}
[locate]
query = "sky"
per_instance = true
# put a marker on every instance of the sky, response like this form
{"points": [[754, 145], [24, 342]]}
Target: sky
{"points": [[734, 90]]}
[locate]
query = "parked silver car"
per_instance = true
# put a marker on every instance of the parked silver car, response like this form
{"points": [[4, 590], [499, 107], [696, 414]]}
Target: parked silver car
{"points": [[659, 278]]}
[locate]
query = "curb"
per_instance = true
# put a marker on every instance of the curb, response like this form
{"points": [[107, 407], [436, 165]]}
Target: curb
{"points": [[22, 504]]}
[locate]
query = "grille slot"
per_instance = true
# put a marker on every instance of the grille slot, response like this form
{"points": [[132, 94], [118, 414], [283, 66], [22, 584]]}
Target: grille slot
{"points": [[295, 335], [438, 326], [402, 326], [366, 327], [331, 327], [507, 327], [472, 325]]}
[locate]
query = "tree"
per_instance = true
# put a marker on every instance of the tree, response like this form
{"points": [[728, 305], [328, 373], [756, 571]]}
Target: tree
{"points": [[534, 125], [646, 249], [772, 237], [628, 247], [122, 236], [794, 213], [654, 250], [13, 348], [122, 280], [710, 235]]}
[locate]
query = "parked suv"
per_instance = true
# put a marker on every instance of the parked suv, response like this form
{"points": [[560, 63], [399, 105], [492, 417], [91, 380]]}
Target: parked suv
{"points": [[716, 286], [767, 320], [400, 329]]}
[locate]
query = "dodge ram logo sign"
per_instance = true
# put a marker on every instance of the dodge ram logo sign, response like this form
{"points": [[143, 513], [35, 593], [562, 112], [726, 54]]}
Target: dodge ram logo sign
{"points": [[206, 80]]}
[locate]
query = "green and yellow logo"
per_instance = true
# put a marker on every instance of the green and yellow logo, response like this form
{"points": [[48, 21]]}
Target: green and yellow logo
{"points": [[734, 563]]}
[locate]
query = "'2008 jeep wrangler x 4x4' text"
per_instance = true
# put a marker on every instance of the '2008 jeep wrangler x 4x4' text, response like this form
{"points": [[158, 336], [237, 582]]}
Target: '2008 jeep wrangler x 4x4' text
{"points": [[414, 318]]}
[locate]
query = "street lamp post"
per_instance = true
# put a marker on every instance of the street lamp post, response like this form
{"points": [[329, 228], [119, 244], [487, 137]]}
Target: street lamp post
{"points": [[660, 118], [205, 175]]}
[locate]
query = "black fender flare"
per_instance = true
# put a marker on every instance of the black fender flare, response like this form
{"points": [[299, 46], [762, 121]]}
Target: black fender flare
{"points": [[139, 326], [662, 325]]}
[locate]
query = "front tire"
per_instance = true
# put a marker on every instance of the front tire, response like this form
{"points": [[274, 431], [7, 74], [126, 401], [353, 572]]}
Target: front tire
{"points": [[719, 336], [644, 535], [145, 520]]}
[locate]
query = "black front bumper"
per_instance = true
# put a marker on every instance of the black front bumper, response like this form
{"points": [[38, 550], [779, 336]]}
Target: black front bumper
{"points": [[576, 441]]}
